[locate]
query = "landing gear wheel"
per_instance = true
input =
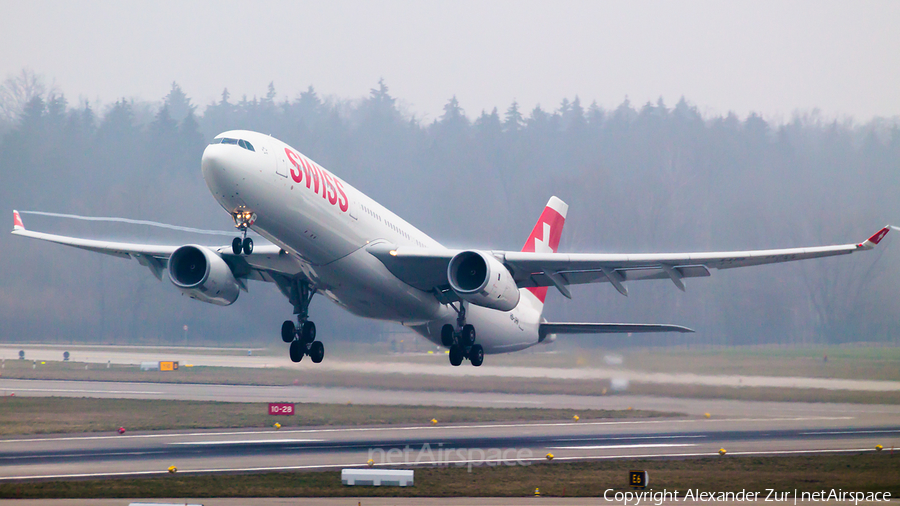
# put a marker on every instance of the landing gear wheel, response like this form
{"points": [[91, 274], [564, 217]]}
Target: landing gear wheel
{"points": [[317, 351], [476, 355], [467, 336], [247, 245], [447, 335], [297, 351], [456, 355], [288, 331], [308, 332], [237, 245]]}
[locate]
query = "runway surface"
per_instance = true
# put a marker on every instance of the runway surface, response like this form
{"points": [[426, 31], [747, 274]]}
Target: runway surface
{"points": [[402, 366], [743, 428], [219, 451]]}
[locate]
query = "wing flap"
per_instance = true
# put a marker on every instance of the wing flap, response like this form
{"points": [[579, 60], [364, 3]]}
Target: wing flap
{"points": [[573, 277]]}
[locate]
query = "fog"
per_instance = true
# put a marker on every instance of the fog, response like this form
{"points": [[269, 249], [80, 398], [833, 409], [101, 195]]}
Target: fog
{"points": [[649, 177]]}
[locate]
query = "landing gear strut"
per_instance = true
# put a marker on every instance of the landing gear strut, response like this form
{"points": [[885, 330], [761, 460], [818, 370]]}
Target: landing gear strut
{"points": [[462, 343], [242, 221], [302, 336]]}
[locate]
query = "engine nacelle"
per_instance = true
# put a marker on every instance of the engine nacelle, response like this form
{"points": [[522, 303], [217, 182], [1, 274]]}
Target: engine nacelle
{"points": [[481, 279], [201, 274]]}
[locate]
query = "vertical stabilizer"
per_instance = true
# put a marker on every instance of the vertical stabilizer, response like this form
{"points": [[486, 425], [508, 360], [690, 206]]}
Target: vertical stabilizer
{"points": [[545, 236], [17, 221]]}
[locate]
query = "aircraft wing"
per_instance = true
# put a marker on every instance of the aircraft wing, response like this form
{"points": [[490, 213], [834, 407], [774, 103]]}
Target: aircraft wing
{"points": [[427, 269], [267, 263]]}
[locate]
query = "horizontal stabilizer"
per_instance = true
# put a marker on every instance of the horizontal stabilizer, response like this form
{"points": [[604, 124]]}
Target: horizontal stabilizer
{"points": [[607, 328]]}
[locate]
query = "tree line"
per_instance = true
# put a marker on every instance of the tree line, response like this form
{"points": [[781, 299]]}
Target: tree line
{"points": [[637, 178]]}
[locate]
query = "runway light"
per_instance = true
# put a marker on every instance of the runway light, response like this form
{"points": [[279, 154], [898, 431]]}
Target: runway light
{"points": [[878, 448], [121, 430], [277, 426], [576, 418], [630, 408], [549, 456], [537, 492], [370, 462], [707, 415], [172, 469], [434, 421], [722, 451]]}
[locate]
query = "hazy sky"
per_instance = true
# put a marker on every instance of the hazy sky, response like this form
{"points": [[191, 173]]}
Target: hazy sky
{"points": [[773, 57]]}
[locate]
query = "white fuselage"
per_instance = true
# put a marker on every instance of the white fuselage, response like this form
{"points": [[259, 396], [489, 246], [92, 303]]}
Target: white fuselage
{"points": [[328, 224]]}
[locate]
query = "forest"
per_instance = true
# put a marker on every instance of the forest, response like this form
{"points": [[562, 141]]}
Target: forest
{"points": [[651, 177]]}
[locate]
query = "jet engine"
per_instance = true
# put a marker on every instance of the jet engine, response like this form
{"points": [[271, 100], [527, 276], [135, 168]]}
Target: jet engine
{"points": [[201, 274], [481, 279]]}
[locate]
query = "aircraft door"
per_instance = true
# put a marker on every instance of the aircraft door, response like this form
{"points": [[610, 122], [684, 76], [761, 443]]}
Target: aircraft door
{"points": [[281, 164]]}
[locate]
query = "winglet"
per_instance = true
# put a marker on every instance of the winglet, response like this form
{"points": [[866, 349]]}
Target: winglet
{"points": [[876, 238], [17, 221]]}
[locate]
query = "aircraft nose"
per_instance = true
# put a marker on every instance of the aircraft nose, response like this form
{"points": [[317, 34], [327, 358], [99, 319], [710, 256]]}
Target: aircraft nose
{"points": [[220, 173]]}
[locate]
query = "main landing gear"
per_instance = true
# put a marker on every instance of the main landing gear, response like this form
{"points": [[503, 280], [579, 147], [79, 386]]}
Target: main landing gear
{"points": [[242, 221], [462, 344], [302, 336]]}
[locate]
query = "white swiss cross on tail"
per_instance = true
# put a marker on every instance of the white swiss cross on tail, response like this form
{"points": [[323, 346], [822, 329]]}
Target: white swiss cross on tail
{"points": [[545, 236]]}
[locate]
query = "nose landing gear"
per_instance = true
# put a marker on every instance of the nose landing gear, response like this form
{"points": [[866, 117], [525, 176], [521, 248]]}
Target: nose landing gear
{"points": [[302, 336], [462, 344], [242, 221]]}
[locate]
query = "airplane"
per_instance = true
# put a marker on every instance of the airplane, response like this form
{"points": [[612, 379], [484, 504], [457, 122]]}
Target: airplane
{"points": [[329, 238]]}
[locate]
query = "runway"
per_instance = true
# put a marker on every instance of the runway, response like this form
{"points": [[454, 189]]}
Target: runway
{"points": [[742, 427], [228, 451]]}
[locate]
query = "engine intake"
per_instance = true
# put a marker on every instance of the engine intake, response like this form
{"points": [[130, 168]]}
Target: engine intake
{"points": [[201, 274], [481, 279]]}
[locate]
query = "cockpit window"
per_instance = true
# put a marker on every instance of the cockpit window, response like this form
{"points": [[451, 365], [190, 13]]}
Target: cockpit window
{"points": [[240, 142]]}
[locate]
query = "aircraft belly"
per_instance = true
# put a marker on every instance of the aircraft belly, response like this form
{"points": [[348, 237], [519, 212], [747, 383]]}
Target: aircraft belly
{"points": [[496, 331], [503, 331], [360, 283]]}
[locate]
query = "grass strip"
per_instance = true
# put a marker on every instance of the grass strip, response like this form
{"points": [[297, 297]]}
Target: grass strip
{"points": [[863, 472], [41, 415], [283, 377]]}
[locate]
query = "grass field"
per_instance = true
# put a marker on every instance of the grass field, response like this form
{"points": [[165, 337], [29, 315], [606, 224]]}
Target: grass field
{"points": [[37, 415], [866, 473], [22, 369]]}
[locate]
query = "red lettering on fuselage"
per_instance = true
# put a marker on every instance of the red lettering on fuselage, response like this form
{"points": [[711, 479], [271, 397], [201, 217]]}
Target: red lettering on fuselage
{"points": [[316, 177], [297, 169]]}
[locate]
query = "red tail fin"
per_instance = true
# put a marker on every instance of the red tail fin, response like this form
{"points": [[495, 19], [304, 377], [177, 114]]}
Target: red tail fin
{"points": [[545, 236], [17, 221]]}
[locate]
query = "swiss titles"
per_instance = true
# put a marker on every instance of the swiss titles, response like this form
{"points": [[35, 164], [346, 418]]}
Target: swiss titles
{"points": [[316, 179]]}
